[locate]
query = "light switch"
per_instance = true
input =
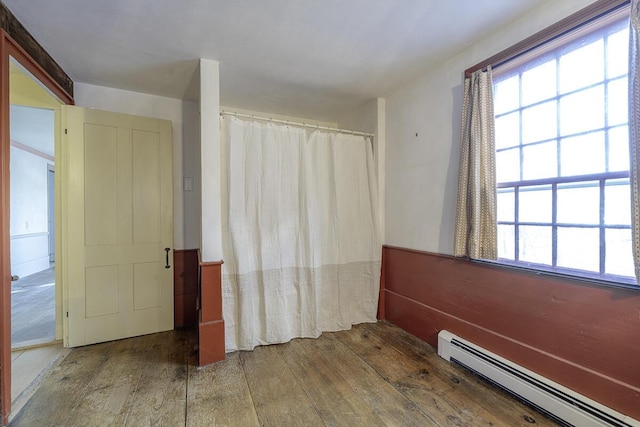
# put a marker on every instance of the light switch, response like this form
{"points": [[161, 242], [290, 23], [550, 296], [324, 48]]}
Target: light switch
{"points": [[188, 184]]}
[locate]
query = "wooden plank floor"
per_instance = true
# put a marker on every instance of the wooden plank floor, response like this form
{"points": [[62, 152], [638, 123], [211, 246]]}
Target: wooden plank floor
{"points": [[29, 367], [372, 375]]}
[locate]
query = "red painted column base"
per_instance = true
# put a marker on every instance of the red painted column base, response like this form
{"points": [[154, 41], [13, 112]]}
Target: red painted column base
{"points": [[211, 346], [211, 342]]}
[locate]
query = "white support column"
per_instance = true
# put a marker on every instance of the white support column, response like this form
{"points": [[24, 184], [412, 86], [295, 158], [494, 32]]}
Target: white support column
{"points": [[380, 157], [211, 196]]}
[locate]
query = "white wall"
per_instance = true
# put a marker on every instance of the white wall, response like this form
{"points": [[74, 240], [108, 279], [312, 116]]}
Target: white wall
{"points": [[29, 229], [423, 126], [371, 118], [268, 115], [180, 113]]}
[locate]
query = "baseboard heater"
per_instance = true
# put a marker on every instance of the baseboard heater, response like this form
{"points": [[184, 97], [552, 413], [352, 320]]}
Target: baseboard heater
{"points": [[562, 404]]}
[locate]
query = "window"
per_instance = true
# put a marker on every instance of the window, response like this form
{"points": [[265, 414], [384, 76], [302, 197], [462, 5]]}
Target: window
{"points": [[562, 155]]}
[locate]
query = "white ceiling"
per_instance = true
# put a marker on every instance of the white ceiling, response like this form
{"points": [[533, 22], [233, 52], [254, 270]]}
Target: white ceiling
{"points": [[306, 58]]}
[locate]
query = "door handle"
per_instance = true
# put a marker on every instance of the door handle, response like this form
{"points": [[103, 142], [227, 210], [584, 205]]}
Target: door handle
{"points": [[166, 262], [14, 278]]}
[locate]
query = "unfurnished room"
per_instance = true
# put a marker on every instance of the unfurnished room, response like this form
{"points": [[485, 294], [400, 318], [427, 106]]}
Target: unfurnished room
{"points": [[332, 213]]}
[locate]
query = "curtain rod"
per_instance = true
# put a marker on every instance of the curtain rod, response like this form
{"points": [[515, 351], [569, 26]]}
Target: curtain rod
{"points": [[584, 16], [298, 124]]}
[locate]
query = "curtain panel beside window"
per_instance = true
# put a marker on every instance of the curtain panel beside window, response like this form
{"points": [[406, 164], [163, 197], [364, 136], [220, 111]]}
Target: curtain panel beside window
{"points": [[476, 226], [634, 129]]}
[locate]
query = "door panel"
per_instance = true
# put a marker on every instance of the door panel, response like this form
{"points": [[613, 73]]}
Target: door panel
{"points": [[145, 292], [100, 185], [100, 299], [119, 220], [146, 186]]}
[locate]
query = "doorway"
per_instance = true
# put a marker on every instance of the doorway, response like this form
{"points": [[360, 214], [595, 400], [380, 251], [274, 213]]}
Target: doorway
{"points": [[46, 80], [32, 160], [36, 320]]}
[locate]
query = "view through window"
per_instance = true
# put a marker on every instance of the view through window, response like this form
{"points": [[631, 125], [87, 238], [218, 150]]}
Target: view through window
{"points": [[562, 158]]}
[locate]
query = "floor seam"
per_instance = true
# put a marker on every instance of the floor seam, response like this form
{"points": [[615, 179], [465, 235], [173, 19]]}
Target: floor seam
{"points": [[313, 403], [244, 374], [135, 392], [186, 381], [385, 379], [79, 401]]}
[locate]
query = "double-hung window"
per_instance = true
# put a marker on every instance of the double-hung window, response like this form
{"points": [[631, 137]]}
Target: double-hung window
{"points": [[562, 155]]}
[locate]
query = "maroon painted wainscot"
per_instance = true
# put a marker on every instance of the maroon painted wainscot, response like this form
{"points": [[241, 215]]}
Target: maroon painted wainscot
{"points": [[185, 286], [581, 335]]}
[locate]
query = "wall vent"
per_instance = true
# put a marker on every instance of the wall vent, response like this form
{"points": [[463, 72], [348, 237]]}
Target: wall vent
{"points": [[564, 405]]}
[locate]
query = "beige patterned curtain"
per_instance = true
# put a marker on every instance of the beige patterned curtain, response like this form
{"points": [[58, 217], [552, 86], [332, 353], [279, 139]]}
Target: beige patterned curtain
{"points": [[476, 228], [634, 128]]}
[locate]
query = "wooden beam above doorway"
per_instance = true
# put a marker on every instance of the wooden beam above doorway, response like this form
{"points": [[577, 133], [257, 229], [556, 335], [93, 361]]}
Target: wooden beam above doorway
{"points": [[10, 24]]}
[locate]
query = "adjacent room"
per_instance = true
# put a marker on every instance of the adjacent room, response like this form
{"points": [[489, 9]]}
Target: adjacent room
{"points": [[32, 250], [320, 213]]}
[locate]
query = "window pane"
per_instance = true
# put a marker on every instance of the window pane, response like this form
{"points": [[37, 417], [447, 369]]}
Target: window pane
{"points": [[618, 53], [582, 154], [619, 258], [508, 165], [506, 204], [506, 95], [535, 204], [582, 67], [579, 248], [506, 242], [564, 114], [617, 105], [579, 203], [582, 111], [617, 202], [535, 244], [539, 83], [540, 161], [619, 149], [507, 130], [539, 122]]}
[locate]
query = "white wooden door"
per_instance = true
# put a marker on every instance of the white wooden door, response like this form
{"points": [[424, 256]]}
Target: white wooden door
{"points": [[117, 222]]}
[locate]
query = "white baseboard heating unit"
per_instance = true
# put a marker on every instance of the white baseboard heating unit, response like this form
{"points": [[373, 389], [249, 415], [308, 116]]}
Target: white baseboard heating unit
{"points": [[564, 405]]}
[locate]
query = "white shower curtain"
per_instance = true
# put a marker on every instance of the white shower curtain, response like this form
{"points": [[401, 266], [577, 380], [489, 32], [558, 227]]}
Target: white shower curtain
{"points": [[301, 247]]}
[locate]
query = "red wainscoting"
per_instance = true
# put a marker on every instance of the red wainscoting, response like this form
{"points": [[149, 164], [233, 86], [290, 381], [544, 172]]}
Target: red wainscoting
{"points": [[584, 336], [211, 346], [185, 287]]}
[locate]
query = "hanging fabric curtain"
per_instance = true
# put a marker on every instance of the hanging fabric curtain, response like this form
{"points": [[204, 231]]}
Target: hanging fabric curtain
{"points": [[634, 129], [476, 228], [301, 247]]}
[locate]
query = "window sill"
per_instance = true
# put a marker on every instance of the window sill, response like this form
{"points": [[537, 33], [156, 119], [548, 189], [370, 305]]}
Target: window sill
{"points": [[564, 273]]}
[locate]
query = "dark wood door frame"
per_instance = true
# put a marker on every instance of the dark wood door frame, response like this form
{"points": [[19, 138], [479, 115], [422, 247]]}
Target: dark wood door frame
{"points": [[9, 48]]}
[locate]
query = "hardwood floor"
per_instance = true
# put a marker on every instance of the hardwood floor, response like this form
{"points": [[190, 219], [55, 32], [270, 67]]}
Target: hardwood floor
{"points": [[372, 375], [29, 367]]}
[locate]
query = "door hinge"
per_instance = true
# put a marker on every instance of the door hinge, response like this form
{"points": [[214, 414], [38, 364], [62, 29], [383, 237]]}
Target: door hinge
{"points": [[67, 314], [65, 131]]}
